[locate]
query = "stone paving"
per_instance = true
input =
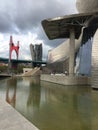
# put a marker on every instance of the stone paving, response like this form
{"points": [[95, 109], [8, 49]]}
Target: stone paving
{"points": [[10, 119]]}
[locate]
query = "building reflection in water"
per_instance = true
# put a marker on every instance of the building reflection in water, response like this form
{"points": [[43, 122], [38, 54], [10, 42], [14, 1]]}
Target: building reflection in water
{"points": [[78, 104], [11, 91], [51, 106], [34, 93], [79, 108]]}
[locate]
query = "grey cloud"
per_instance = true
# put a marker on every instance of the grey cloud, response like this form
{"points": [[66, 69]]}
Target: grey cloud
{"points": [[24, 15], [5, 23]]}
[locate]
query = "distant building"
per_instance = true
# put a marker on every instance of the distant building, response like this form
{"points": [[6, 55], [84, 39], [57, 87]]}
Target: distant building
{"points": [[36, 53], [32, 52]]}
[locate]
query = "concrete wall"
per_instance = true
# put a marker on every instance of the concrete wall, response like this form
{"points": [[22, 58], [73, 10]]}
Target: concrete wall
{"points": [[66, 80], [26, 70]]}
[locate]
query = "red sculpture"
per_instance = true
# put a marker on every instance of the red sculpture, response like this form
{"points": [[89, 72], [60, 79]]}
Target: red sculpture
{"points": [[13, 47]]}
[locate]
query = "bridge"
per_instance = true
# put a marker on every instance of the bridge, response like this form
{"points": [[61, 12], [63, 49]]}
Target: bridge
{"points": [[6, 60], [13, 63], [36, 54]]}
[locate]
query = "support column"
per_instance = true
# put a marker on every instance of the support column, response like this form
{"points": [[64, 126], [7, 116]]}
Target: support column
{"points": [[71, 51], [9, 61]]}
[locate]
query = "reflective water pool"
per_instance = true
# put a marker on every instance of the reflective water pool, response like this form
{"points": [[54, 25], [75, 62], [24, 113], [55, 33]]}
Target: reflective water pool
{"points": [[50, 106]]}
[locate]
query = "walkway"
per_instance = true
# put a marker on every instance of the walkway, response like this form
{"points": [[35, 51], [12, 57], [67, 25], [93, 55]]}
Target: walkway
{"points": [[10, 119]]}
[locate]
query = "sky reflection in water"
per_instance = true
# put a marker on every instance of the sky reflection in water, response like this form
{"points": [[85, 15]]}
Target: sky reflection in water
{"points": [[51, 106]]}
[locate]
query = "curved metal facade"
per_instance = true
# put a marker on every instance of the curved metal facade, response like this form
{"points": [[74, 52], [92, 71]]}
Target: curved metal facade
{"points": [[61, 52]]}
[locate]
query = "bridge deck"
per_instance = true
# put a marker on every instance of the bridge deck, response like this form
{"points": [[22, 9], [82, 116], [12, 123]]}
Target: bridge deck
{"points": [[6, 60]]}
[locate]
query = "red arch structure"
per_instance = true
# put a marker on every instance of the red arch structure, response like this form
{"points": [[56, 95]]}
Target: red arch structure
{"points": [[13, 48]]}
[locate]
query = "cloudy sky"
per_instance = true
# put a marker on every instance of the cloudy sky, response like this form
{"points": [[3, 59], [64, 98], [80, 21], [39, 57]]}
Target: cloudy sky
{"points": [[22, 19]]}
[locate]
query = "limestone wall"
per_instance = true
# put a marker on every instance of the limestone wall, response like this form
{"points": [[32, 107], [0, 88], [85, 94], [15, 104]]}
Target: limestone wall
{"points": [[87, 5], [95, 61], [66, 80]]}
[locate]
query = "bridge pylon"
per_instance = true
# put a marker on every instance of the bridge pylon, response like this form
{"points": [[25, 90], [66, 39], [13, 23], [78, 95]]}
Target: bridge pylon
{"points": [[12, 48]]}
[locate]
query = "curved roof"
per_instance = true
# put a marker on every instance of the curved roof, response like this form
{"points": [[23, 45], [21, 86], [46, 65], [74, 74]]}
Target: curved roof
{"points": [[59, 27]]}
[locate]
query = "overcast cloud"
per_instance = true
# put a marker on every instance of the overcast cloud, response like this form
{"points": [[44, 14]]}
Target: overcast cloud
{"points": [[22, 19]]}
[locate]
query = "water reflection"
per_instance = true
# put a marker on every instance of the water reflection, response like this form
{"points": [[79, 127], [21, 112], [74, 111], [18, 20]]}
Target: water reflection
{"points": [[77, 102], [79, 108], [11, 91], [50, 106], [34, 93]]}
